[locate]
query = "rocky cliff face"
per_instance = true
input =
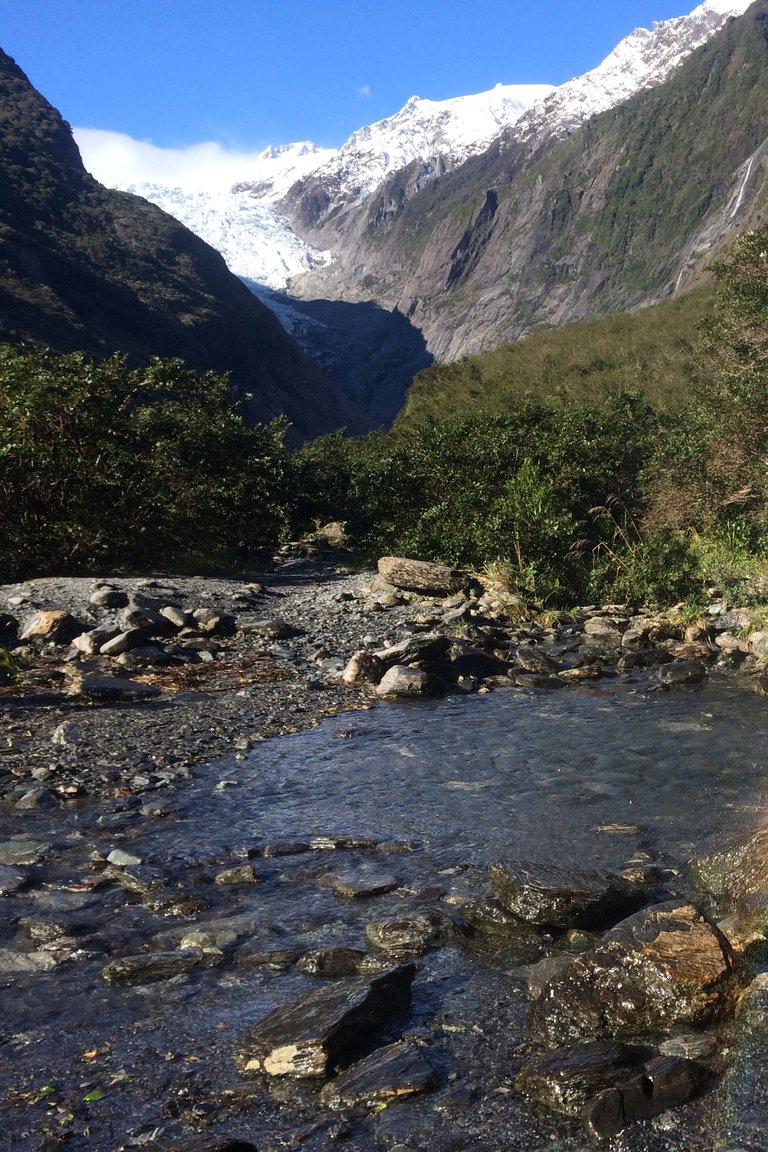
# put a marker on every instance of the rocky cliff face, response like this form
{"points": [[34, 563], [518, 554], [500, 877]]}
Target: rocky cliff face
{"points": [[82, 267], [592, 214]]}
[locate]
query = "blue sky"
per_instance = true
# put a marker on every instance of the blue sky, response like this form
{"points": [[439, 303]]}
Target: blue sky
{"points": [[248, 73]]}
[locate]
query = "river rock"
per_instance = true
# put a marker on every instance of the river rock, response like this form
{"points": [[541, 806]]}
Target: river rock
{"points": [[682, 672], [363, 667], [123, 642], [356, 885], [309, 1036], [661, 967], [149, 967], [108, 596], [565, 1079], [555, 897], [89, 643], [22, 851], [112, 688], [411, 932], [664, 1083], [414, 649], [332, 962], [757, 643], [270, 628], [420, 576], [735, 872], [531, 659], [606, 627], [392, 1073], [400, 680], [56, 626], [12, 880], [177, 616]]}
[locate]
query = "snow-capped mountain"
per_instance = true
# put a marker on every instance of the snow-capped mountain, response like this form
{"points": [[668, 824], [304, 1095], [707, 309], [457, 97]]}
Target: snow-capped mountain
{"points": [[250, 224], [452, 129], [643, 59]]}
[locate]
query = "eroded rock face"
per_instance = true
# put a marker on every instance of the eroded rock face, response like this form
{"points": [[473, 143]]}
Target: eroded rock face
{"points": [[309, 1036], [550, 896], [663, 966]]}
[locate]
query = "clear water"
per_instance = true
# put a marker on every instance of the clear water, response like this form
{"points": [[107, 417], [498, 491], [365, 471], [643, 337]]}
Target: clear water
{"points": [[578, 776]]}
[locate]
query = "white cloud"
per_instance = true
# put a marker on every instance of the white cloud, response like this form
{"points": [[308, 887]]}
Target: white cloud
{"points": [[118, 160], [366, 91]]}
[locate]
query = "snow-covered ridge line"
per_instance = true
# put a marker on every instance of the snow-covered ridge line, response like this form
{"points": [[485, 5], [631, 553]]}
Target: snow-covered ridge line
{"points": [[643, 59]]}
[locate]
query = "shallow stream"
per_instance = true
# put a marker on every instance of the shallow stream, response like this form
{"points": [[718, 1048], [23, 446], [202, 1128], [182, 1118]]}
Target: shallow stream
{"points": [[427, 793]]}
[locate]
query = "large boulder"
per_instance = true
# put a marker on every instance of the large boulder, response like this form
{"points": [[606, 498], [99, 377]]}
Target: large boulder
{"points": [[556, 897], [55, 626], [664, 966], [420, 576], [310, 1036], [737, 871], [402, 681]]}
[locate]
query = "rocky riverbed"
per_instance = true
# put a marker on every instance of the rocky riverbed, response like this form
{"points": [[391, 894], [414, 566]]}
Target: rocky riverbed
{"points": [[173, 982]]}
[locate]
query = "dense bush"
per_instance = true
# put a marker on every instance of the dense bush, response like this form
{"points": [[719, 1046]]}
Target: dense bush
{"points": [[102, 466]]}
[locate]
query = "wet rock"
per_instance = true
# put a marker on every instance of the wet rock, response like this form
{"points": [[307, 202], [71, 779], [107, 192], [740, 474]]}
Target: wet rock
{"points": [[567, 1078], [240, 874], [22, 851], [551, 896], [420, 576], [682, 672], [488, 918], [12, 880], [56, 626], [357, 885], [122, 859], [735, 872], [363, 667], [392, 1073], [209, 939], [149, 967], [544, 972], [661, 967], [254, 955], [310, 1036], [412, 932], [690, 1045], [664, 1083], [400, 680], [467, 659], [332, 962], [13, 963]]}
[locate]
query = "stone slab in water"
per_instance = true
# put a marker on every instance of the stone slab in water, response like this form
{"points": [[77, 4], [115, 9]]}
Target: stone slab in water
{"points": [[411, 932], [150, 967], [551, 896], [682, 672], [661, 967], [309, 1036], [392, 1073]]}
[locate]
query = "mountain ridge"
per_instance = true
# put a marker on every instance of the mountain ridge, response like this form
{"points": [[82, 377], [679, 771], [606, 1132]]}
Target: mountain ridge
{"points": [[86, 268]]}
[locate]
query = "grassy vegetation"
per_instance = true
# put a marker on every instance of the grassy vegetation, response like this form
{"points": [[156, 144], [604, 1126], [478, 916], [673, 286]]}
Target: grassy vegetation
{"points": [[577, 490], [652, 352]]}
